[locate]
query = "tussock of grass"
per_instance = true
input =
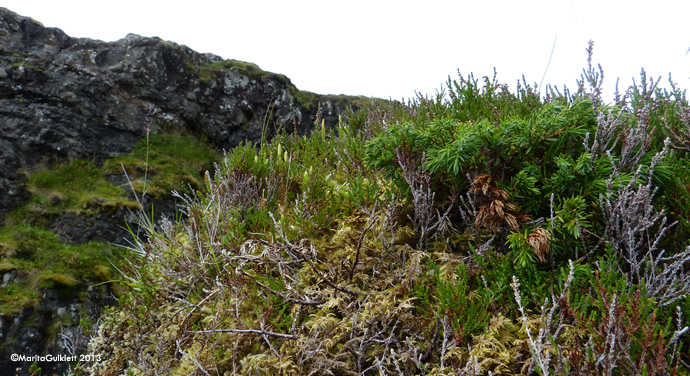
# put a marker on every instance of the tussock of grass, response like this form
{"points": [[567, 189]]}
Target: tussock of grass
{"points": [[18, 295]]}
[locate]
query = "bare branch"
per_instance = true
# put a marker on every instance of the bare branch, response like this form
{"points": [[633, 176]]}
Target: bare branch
{"points": [[251, 331]]}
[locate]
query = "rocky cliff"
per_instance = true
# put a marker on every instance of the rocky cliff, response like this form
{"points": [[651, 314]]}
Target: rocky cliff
{"points": [[64, 98]]}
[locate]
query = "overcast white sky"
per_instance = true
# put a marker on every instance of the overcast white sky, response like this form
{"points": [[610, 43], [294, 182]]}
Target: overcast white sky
{"points": [[390, 49]]}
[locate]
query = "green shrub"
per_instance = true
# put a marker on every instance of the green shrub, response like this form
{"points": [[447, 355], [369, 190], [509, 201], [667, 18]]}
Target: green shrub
{"points": [[474, 232]]}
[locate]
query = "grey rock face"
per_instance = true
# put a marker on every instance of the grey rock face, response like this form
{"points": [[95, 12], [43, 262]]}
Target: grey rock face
{"points": [[63, 98]]}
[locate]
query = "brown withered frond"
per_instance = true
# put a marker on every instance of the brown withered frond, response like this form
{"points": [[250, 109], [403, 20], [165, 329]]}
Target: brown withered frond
{"points": [[494, 207], [522, 218], [540, 240], [512, 222], [481, 183], [486, 217], [485, 184], [497, 207]]}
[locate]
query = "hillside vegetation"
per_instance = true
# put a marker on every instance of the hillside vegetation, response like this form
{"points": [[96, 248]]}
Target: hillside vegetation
{"points": [[481, 231]]}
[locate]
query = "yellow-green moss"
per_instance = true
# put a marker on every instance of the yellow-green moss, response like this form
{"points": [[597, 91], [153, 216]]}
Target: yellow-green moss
{"points": [[6, 267], [101, 273], [60, 279]]}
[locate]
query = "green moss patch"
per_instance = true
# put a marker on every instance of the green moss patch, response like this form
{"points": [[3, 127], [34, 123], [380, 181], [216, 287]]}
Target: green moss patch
{"points": [[40, 259], [60, 280], [18, 295], [78, 184], [165, 162]]}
